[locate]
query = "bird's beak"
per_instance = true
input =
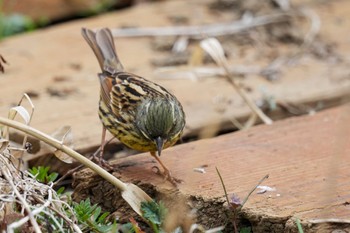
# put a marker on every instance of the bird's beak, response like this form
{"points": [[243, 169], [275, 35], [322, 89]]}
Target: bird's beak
{"points": [[159, 144]]}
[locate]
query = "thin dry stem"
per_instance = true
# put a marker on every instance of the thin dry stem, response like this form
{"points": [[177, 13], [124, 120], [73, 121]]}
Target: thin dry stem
{"points": [[131, 193], [213, 47], [23, 189], [329, 220], [195, 73], [19, 109], [30, 214], [207, 30], [70, 172], [253, 189]]}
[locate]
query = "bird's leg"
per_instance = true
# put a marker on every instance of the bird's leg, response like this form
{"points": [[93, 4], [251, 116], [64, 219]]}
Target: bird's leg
{"points": [[101, 148], [100, 160], [103, 143], [167, 174]]}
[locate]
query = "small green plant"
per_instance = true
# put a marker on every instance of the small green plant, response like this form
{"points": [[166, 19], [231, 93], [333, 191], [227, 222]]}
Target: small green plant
{"points": [[15, 23], [300, 228], [42, 175], [91, 218], [155, 213], [245, 230]]}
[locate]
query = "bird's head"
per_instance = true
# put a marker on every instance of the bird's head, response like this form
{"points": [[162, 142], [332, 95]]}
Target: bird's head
{"points": [[160, 120]]}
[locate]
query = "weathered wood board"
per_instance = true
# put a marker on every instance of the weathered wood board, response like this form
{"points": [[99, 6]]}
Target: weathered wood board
{"points": [[307, 159], [56, 61]]}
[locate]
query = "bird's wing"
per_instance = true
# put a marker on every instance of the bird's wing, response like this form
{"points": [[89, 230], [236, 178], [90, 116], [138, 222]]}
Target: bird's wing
{"points": [[106, 87], [130, 90]]}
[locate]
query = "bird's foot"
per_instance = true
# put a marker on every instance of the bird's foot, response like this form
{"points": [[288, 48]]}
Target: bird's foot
{"points": [[106, 165], [103, 163], [167, 176], [97, 157]]}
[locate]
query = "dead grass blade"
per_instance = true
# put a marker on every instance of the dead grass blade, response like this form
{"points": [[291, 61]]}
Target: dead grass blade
{"points": [[30, 214], [197, 31], [27, 117], [3, 144], [64, 134], [132, 194], [213, 47]]}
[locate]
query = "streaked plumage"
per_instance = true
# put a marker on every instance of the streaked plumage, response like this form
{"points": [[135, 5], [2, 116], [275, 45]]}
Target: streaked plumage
{"points": [[141, 114]]}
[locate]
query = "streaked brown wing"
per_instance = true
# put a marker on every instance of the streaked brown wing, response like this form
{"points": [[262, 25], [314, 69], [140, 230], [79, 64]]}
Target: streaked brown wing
{"points": [[107, 84], [130, 90]]}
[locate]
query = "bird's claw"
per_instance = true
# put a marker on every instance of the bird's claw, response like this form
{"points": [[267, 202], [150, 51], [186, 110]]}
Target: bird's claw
{"points": [[103, 163], [167, 176]]}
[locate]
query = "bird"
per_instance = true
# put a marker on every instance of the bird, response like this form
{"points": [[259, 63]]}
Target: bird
{"points": [[141, 114]]}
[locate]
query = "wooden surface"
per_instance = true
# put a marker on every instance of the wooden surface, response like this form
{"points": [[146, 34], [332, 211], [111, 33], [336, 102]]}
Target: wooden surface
{"points": [[58, 59], [56, 10], [306, 157]]}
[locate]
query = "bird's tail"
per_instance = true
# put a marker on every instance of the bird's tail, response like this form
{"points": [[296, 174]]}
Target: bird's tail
{"points": [[102, 44]]}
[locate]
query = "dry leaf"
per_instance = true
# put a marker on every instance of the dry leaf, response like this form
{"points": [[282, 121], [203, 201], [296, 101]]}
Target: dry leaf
{"points": [[213, 47], [64, 134], [3, 144], [21, 111]]}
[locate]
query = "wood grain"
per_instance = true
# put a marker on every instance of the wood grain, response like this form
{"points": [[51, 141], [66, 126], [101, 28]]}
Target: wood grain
{"points": [[307, 159], [56, 64]]}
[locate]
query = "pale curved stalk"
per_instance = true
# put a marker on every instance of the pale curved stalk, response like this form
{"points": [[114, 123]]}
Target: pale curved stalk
{"points": [[132, 194]]}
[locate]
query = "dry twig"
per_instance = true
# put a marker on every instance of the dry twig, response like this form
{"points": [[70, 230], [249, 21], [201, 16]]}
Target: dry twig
{"points": [[20, 187], [198, 31], [213, 47], [132, 194], [2, 61], [330, 220]]}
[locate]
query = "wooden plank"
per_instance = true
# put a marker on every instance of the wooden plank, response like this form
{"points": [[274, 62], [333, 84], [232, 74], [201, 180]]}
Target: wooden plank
{"points": [[56, 10], [57, 59], [306, 157]]}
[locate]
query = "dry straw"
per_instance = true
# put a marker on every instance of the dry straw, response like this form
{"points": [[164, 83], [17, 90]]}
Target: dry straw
{"points": [[20, 189]]}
